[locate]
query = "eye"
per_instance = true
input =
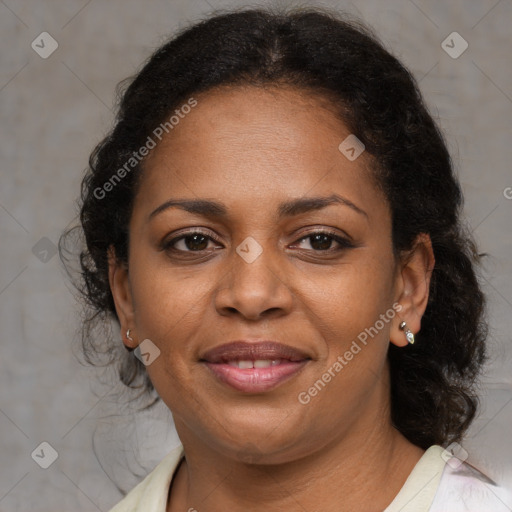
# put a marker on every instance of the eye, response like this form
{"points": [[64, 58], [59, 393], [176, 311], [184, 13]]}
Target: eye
{"points": [[195, 241], [323, 240]]}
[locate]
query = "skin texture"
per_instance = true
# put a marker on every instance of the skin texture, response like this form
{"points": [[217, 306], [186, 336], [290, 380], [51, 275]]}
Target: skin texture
{"points": [[252, 149]]}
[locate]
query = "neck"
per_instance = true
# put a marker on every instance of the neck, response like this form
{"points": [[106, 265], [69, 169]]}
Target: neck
{"points": [[361, 469]]}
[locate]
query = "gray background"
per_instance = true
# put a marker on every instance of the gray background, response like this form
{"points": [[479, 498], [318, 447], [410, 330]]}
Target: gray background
{"points": [[55, 110]]}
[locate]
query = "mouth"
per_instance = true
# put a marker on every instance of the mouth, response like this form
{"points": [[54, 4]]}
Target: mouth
{"points": [[254, 367]]}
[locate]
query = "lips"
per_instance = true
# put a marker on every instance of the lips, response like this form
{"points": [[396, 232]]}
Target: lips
{"points": [[254, 366], [253, 351]]}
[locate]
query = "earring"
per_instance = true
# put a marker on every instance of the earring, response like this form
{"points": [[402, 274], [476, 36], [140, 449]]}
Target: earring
{"points": [[130, 349], [408, 334]]}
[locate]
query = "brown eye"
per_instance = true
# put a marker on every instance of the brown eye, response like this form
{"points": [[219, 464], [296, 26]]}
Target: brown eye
{"points": [[196, 242], [190, 242], [322, 241]]}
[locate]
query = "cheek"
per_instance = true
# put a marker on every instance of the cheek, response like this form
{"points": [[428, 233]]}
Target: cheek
{"points": [[169, 310], [163, 295], [347, 308], [173, 304], [338, 304], [352, 296], [355, 336]]}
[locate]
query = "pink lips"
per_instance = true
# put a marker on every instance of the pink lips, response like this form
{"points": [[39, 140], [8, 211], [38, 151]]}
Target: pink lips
{"points": [[254, 366]]}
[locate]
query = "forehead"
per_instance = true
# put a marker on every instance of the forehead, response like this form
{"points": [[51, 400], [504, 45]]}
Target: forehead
{"points": [[244, 144], [259, 121]]}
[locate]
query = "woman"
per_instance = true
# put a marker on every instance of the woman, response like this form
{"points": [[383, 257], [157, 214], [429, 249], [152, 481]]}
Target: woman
{"points": [[274, 225]]}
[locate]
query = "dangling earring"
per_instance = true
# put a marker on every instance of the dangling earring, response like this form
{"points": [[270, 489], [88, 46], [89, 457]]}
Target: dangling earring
{"points": [[408, 334]]}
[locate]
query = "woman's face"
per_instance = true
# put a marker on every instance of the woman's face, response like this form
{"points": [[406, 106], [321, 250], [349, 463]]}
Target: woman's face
{"points": [[265, 264]]}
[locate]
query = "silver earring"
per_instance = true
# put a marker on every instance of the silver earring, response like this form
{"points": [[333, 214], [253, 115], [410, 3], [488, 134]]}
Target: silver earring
{"points": [[408, 334], [128, 335]]}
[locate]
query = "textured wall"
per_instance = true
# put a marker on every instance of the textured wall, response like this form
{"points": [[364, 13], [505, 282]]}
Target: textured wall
{"points": [[55, 109]]}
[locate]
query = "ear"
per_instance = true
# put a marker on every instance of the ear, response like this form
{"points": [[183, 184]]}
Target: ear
{"points": [[121, 292], [415, 271]]}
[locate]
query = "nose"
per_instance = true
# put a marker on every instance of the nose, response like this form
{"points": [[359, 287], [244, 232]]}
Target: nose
{"points": [[254, 289]]}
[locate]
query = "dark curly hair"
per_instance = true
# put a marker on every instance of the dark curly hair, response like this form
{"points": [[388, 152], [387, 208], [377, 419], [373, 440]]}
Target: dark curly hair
{"points": [[433, 382]]}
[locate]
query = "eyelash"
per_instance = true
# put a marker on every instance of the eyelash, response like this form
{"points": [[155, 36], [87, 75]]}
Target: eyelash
{"points": [[344, 243]]}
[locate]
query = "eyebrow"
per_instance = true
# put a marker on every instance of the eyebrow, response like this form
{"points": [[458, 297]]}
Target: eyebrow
{"points": [[210, 208]]}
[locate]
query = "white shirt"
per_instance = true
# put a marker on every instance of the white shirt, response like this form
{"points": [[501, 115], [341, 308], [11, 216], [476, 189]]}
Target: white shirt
{"points": [[436, 484]]}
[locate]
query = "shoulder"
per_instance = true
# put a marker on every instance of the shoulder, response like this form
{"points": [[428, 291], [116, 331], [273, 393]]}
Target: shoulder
{"points": [[150, 495], [441, 482], [464, 488]]}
